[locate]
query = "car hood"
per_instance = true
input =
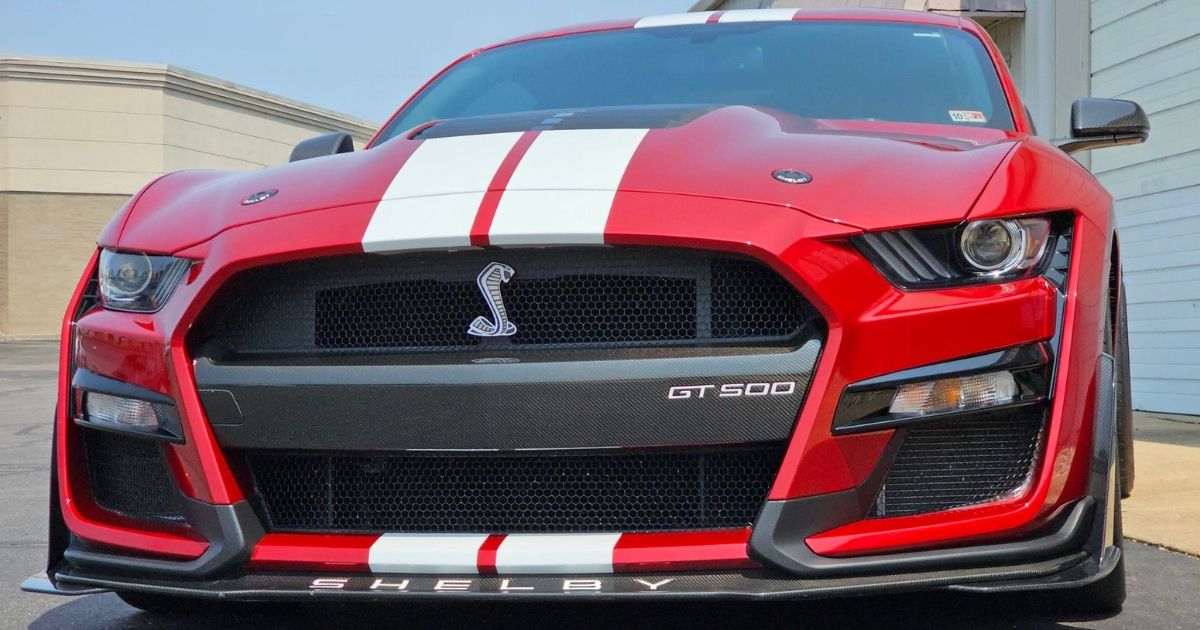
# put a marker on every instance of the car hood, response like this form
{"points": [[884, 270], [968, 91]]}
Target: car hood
{"points": [[863, 174]]}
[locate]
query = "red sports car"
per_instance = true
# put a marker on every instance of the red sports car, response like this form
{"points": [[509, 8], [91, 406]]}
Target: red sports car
{"points": [[745, 304]]}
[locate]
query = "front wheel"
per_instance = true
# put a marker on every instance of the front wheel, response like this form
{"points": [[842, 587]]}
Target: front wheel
{"points": [[1108, 594], [1124, 397]]}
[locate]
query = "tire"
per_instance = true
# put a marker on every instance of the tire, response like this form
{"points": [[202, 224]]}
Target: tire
{"points": [[1108, 594], [1124, 399]]}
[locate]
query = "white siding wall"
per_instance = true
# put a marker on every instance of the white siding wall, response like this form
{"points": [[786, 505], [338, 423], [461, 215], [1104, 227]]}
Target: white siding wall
{"points": [[1149, 51]]}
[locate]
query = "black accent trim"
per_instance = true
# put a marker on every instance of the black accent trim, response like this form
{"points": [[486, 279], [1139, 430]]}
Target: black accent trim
{"points": [[585, 403], [614, 117], [864, 405], [747, 585], [58, 536], [1100, 122], [232, 532], [1102, 484], [91, 382], [331, 143], [1059, 275], [170, 428], [926, 258], [1075, 145], [42, 584]]}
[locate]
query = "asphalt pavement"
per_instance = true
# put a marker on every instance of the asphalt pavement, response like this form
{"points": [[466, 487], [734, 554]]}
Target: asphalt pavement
{"points": [[1164, 586]]}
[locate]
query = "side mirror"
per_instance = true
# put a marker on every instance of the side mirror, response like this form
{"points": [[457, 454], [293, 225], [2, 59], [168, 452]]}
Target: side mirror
{"points": [[328, 144], [1105, 122]]}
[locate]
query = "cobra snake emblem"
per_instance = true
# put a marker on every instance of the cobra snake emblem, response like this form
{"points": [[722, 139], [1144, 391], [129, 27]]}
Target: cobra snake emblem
{"points": [[489, 281]]}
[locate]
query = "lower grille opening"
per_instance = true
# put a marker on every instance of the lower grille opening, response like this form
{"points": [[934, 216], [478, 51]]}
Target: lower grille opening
{"points": [[625, 491], [129, 476], [962, 461]]}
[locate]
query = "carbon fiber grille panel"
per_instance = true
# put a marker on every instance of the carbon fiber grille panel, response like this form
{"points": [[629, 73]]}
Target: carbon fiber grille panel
{"points": [[625, 491], [129, 476], [962, 461], [557, 298]]}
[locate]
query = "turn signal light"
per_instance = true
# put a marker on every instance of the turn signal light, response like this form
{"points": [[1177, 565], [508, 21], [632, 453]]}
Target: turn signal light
{"points": [[955, 394], [120, 412]]}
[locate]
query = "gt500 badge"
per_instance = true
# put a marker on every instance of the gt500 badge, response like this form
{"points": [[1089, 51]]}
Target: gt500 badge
{"points": [[732, 390]]}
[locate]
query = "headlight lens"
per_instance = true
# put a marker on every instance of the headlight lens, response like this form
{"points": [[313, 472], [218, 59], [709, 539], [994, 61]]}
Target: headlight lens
{"points": [[131, 281], [990, 245], [1003, 246], [992, 250]]}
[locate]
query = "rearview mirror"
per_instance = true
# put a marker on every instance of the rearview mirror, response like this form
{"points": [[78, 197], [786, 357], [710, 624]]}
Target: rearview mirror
{"points": [[1105, 122], [320, 146]]}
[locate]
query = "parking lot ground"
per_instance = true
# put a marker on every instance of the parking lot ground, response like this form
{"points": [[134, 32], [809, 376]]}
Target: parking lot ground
{"points": [[1164, 585]]}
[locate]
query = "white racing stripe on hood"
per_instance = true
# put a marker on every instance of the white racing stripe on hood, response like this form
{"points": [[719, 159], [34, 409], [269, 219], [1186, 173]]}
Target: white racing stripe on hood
{"points": [[759, 15], [674, 19], [563, 189], [433, 199]]}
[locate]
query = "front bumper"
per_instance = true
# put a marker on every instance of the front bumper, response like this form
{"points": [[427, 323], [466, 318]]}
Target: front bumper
{"points": [[1078, 549], [819, 468]]}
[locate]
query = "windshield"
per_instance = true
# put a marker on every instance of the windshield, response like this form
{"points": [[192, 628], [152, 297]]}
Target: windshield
{"points": [[886, 71]]}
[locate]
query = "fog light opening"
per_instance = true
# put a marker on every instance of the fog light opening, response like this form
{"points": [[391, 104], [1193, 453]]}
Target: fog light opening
{"points": [[959, 393]]}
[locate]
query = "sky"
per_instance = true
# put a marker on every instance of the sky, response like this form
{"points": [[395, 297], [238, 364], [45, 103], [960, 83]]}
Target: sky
{"points": [[359, 57]]}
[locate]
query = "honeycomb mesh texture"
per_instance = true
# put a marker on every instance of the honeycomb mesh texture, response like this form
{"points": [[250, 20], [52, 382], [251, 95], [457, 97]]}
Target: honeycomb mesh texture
{"points": [[415, 314], [639, 490], [129, 476], [557, 298], [596, 308], [959, 462]]}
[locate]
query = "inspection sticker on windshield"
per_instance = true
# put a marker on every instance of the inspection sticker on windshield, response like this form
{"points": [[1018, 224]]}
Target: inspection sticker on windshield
{"points": [[960, 115]]}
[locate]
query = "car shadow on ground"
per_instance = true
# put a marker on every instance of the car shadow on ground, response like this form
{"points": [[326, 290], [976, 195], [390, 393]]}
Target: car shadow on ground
{"points": [[925, 610]]}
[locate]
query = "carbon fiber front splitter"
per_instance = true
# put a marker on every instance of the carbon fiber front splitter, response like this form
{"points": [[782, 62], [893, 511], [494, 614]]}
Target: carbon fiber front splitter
{"points": [[1063, 572]]}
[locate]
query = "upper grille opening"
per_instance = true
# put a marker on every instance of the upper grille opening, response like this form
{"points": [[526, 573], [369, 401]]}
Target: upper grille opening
{"points": [[557, 298]]}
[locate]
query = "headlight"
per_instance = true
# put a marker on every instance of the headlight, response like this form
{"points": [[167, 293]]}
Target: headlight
{"points": [[142, 283], [992, 250]]}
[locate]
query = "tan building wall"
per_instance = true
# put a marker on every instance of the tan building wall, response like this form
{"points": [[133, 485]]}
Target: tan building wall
{"points": [[77, 138]]}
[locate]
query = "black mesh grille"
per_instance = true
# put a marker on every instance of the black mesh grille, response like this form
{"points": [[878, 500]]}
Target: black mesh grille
{"points": [[414, 314], [644, 490], [129, 476], [558, 297], [749, 300], [962, 461], [598, 308]]}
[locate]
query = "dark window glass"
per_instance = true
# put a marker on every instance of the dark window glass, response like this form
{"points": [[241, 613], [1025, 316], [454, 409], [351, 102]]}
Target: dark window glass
{"points": [[820, 69]]}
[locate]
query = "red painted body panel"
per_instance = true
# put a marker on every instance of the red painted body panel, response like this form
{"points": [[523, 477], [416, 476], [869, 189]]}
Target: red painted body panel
{"points": [[80, 513], [727, 154], [284, 552], [682, 551], [633, 553], [702, 185]]}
